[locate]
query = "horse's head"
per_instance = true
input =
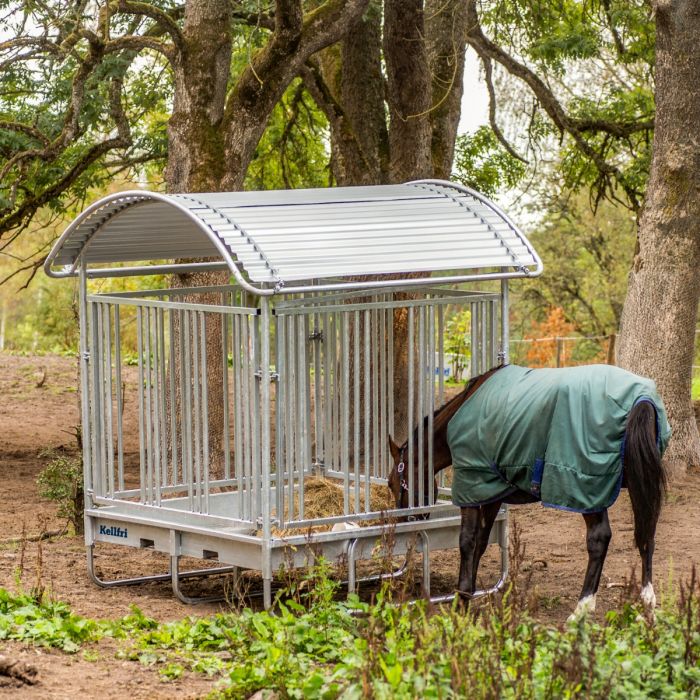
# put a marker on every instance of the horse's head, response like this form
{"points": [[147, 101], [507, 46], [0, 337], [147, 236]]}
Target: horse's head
{"points": [[399, 480], [398, 484]]}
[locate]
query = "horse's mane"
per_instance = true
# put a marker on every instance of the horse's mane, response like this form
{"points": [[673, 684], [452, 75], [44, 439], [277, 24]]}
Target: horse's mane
{"points": [[445, 412]]}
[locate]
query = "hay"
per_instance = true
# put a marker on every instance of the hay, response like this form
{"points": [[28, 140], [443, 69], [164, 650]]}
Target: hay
{"points": [[324, 498]]}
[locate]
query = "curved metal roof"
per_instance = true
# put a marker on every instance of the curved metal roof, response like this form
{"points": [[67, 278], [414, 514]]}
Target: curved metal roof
{"points": [[277, 239]]}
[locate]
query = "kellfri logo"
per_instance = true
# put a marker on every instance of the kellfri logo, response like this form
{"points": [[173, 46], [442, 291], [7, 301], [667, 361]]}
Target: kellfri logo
{"points": [[113, 531]]}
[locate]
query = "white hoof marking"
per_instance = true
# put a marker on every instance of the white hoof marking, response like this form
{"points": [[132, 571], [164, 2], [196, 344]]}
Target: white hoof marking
{"points": [[585, 605], [648, 596]]}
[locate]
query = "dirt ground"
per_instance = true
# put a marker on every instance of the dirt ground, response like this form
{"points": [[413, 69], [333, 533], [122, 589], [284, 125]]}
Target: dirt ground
{"points": [[39, 409]]}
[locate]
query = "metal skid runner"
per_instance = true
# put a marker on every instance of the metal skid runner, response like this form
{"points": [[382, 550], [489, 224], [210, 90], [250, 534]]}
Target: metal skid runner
{"points": [[324, 408], [212, 415]]}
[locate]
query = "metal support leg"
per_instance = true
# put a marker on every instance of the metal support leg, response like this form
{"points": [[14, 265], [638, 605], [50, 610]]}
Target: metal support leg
{"points": [[267, 593], [175, 577], [425, 546], [353, 582], [502, 526], [151, 578]]}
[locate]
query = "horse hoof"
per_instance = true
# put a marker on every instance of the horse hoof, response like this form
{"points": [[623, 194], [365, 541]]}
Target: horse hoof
{"points": [[648, 597], [584, 606]]}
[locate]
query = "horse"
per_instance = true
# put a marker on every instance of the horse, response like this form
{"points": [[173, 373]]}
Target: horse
{"points": [[607, 419]]}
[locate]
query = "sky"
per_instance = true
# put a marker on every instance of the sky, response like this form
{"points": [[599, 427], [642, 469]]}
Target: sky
{"points": [[475, 101]]}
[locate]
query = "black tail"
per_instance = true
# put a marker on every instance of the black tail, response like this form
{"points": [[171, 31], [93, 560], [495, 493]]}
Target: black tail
{"points": [[644, 473]]}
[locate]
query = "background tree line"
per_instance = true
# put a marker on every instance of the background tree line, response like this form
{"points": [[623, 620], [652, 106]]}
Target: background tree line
{"points": [[219, 95]]}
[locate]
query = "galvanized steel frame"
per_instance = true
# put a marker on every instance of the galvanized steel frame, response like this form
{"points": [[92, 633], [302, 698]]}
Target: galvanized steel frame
{"points": [[178, 507]]}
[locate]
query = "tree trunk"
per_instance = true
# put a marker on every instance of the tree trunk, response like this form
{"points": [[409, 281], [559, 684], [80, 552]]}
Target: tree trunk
{"points": [[409, 91], [195, 145], [659, 317], [446, 38]]}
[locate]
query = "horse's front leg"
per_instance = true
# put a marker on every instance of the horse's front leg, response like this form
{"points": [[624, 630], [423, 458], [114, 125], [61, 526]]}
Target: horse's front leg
{"points": [[598, 536], [473, 540]]}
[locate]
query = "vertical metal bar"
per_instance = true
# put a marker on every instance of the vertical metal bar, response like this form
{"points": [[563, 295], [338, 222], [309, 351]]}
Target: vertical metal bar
{"points": [[375, 395], [390, 369], [382, 369], [367, 392], [301, 409], [290, 419], [246, 447], [505, 323], [357, 361], [336, 392], [308, 359], [238, 408], [473, 339], [483, 317], [281, 412], [441, 354], [149, 409], [142, 435], [118, 389], [100, 402], [197, 421], [410, 408], [493, 339], [318, 410], [205, 407], [328, 425], [107, 318], [421, 404], [225, 388], [256, 415], [187, 370], [430, 408], [85, 383], [173, 398], [162, 366], [344, 410], [332, 435], [157, 454], [265, 415]]}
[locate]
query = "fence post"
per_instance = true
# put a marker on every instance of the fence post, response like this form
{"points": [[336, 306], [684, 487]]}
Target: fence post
{"points": [[559, 350], [611, 349]]}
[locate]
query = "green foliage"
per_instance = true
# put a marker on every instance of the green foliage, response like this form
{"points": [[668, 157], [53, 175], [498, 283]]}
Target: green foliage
{"points": [[586, 260], [458, 342], [596, 60], [61, 481], [45, 623], [292, 152], [482, 163], [315, 647]]}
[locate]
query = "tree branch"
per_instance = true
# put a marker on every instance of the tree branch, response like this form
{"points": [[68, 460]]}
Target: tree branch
{"points": [[162, 18], [488, 75], [564, 123]]}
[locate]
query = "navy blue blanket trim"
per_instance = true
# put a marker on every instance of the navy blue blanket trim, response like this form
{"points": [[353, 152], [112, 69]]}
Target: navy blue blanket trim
{"points": [[537, 471]]}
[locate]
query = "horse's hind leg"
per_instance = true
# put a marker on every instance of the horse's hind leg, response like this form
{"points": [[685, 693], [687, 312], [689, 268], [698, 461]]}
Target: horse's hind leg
{"points": [[598, 536], [473, 540], [647, 554]]}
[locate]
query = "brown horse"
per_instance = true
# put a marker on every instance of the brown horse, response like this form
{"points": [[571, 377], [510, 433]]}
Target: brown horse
{"points": [[642, 474]]}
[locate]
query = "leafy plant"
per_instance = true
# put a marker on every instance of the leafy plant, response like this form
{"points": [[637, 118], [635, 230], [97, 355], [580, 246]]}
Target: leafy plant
{"points": [[61, 481]]}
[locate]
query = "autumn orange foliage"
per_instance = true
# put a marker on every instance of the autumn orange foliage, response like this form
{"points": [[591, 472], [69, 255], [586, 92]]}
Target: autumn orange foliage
{"points": [[543, 351]]}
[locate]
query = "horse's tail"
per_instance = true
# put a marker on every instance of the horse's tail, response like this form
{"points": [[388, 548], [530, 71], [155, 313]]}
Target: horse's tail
{"points": [[644, 473]]}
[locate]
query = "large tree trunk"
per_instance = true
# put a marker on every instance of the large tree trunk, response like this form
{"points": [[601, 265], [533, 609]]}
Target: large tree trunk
{"points": [[659, 317], [195, 145]]}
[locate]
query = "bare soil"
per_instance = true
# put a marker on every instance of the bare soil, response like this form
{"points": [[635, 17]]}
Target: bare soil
{"points": [[39, 409]]}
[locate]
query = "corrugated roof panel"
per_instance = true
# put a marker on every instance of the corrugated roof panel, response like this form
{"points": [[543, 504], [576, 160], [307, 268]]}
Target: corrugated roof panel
{"points": [[291, 235]]}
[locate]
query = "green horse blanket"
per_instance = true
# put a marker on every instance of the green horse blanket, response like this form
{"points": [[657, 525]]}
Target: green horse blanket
{"points": [[557, 434]]}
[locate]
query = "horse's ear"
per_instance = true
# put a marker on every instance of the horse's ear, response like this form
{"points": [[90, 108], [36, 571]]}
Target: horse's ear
{"points": [[394, 449]]}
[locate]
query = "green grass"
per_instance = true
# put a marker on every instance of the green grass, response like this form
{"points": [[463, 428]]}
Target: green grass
{"points": [[695, 389], [317, 647]]}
